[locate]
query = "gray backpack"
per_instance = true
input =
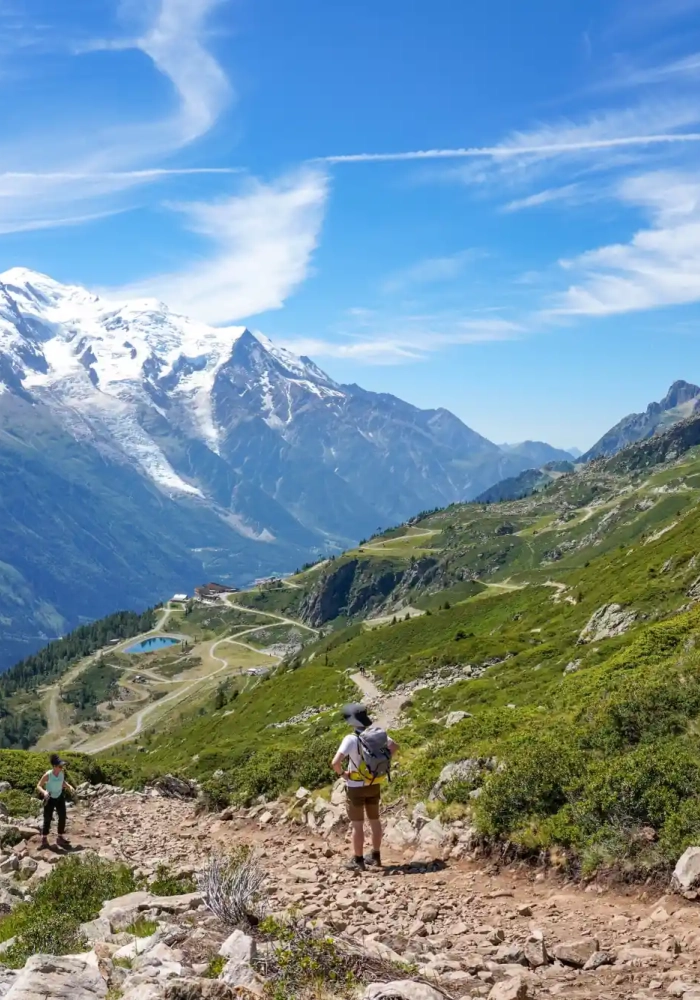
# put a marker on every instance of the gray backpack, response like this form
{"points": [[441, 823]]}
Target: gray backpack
{"points": [[375, 753]]}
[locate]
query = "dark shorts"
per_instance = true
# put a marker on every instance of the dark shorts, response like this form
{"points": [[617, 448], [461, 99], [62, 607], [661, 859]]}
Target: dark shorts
{"points": [[363, 801]]}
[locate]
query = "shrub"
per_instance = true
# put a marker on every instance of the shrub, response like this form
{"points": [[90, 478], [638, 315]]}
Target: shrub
{"points": [[166, 883], [19, 803], [233, 886], [306, 964], [72, 894]]}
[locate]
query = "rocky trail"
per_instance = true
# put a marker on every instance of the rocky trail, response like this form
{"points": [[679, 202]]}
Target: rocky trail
{"points": [[467, 926], [383, 708]]}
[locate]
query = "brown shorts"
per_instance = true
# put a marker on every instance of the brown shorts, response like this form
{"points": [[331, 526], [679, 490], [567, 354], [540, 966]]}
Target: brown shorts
{"points": [[363, 800]]}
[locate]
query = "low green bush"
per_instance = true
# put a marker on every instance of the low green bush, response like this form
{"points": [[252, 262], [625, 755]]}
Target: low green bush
{"points": [[167, 883], [72, 894], [19, 803]]}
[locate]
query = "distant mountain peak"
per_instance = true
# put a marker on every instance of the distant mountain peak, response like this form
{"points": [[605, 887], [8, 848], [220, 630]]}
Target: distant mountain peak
{"points": [[681, 401]]}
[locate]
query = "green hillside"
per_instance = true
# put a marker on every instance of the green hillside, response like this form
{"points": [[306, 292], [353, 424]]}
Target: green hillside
{"points": [[563, 624]]}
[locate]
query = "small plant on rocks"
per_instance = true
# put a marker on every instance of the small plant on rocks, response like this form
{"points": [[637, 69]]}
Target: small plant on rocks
{"points": [[233, 887], [305, 964], [167, 883], [215, 967], [142, 928]]}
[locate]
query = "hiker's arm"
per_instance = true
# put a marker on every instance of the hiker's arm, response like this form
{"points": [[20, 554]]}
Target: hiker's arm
{"points": [[337, 763], [41, 787], [69, 787]]}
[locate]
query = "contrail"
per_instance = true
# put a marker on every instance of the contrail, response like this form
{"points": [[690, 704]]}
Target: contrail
{"points": [[507, 152]]}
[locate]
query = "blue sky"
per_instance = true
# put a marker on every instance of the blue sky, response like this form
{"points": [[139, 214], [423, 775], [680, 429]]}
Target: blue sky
{"points": [[491, 206]]}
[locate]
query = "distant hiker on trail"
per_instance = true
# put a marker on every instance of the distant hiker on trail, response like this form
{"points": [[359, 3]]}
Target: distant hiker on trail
{"points": [[364, 761], [52, 788]]}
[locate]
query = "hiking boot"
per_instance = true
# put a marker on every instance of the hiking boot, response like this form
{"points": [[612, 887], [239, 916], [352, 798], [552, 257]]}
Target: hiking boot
{"points": [[356, 865], [62, 842], [43, 846], [373, 860]]}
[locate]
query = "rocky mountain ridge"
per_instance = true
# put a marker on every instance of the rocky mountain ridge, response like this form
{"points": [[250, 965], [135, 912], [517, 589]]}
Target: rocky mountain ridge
{"points": [[680, 402], [141, 452]]}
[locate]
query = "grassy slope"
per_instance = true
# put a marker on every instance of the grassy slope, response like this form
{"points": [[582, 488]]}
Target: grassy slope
{"points": [[604, 760]]}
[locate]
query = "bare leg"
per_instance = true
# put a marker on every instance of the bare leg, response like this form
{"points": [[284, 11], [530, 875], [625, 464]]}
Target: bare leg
{"points": [[376, 828], [358, 838]]}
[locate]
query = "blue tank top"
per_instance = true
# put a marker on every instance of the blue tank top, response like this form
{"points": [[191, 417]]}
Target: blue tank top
{"points": [[54, 784]]}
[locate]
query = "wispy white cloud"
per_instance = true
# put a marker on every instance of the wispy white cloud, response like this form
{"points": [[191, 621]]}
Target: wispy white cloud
{"points": [[407, 339], [555, 147], [89, 169], [262, 243], [659, 266], [567, 193], [430, 270]]}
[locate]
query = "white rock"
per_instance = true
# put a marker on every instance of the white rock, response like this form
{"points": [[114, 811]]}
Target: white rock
{"points": [[402, 989], [687, 871], [575, 953], [401, 834], [454, 717], [71, 977], [513, 988], [608, 621], [238, 947], [96, 930]]}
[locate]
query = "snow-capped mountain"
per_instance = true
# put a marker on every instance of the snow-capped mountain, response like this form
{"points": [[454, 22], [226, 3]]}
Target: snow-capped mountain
{"points": [[141, 450]]}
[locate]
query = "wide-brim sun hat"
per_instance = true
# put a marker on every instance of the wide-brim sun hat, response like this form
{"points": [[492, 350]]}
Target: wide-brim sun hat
{"points": [[356, 715]]}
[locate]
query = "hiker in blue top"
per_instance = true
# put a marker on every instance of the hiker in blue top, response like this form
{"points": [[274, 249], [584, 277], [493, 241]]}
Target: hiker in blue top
{"points": [[52, 788]]}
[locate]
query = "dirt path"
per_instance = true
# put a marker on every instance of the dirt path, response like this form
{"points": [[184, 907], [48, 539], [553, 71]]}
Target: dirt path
{"points": [[384, 708], [474, 913], [270, 614], [97, 745]]}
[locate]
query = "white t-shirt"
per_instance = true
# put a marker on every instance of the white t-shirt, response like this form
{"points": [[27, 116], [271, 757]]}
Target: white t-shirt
{"points": [[350, 748]]}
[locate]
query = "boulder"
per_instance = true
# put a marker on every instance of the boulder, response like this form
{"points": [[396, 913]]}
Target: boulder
{"points": [[513, 988], [175, 788], [605, 623], [96, 930], [455, 717], [598, 959], [402, 989], [242, 976], [400, 833], [173, 904], [238, 947], [511, 954], [468, 771], [120, 904], [143, 991], [4, 811], [71, 977], [575, 953], [535, 950], [435, 840], [5, 786], [686, 874]]}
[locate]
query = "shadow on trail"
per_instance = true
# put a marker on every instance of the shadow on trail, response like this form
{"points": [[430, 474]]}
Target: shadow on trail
{"points": [[414, 868]]}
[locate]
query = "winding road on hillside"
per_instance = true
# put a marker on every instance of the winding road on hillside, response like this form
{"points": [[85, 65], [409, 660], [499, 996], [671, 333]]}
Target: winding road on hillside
{"points": [[270, 614], [139, 717]]}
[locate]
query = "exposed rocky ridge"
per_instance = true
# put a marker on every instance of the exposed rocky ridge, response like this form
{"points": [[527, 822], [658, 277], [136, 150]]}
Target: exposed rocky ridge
{"points": [[680, 402]]}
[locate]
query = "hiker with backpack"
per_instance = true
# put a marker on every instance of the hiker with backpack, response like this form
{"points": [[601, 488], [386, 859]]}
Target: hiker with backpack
{"points": [[364, 761]]}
